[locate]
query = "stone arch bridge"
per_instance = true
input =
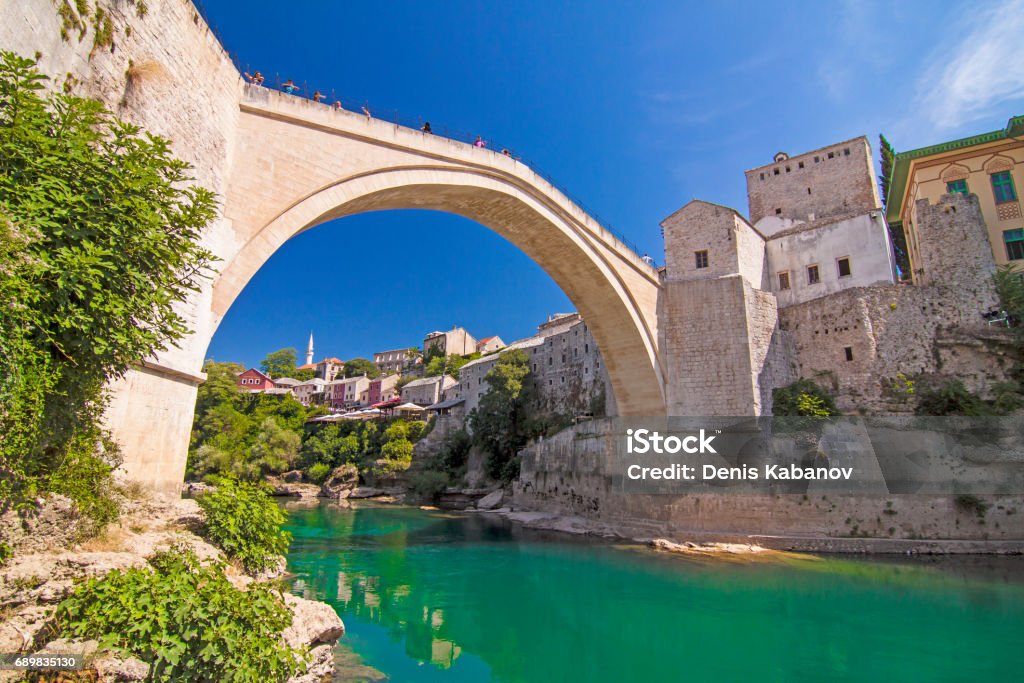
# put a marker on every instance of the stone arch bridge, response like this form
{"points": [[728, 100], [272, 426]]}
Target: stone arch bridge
{"points": [[293, 164]]}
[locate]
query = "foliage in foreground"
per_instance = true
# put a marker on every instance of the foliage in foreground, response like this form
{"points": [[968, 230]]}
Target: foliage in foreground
{"points": [[186, 620], [245, 522], [99, 241]]}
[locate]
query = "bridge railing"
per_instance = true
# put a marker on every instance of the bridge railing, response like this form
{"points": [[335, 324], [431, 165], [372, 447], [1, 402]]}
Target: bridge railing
{"points": [[305, 91]]}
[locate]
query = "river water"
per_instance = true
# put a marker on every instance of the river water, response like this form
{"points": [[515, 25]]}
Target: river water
{"points": [[435, 596]]}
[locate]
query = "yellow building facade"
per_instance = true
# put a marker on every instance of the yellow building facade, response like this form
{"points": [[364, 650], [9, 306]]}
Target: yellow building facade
{"points": [[989, 165]]}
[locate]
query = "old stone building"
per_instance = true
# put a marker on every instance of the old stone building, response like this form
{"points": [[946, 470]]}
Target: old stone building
{"points": [[808, 288], [454, 342], [565, 366]]}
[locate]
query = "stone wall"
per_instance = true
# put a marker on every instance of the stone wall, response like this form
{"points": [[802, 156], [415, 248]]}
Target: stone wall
{"points": [[825, 182], [920, 332], [955, 250], [569, 474], [706, 347]]}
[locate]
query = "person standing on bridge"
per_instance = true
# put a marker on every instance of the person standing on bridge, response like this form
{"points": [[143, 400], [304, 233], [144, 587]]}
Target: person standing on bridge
{"points": [[317, 96], [480, 142], [426, 127], [337, 105], [289, 87], [255, 79]]}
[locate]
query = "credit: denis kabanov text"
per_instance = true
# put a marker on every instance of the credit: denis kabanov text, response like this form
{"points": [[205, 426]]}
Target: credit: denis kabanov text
{"points": [[645, 441]]}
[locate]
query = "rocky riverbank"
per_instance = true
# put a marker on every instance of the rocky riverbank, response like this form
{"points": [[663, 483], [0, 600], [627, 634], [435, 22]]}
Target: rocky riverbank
{"points": [[47, 563]]}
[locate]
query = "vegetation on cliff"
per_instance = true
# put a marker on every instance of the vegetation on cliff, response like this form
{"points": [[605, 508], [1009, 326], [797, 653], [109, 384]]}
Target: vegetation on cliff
{"points": [[245, 522], [186, 620], [99, 242]]}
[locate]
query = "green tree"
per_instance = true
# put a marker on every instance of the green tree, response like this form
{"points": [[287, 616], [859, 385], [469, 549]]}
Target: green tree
{"points": [[451, 365], [101, 242], [361, 366], [280, 363], [275, 448], [501, 424], [304, 374]]}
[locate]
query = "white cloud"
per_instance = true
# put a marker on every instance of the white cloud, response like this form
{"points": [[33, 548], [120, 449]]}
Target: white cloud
{"points": [[969, 77]]}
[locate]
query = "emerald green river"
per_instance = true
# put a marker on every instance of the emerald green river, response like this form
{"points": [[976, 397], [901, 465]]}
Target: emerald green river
{"points": [[435, 596]]}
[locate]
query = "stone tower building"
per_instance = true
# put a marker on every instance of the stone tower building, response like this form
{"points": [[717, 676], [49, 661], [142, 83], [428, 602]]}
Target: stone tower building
{"points": [[831, 181]]}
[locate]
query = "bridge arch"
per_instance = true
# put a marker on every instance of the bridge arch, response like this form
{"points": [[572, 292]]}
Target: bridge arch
{"points": [[293, 164], [517, 211]]}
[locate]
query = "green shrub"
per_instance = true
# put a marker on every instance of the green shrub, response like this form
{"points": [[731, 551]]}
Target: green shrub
{"points": [[454, 453], [417, 430], [803, 398], [318, 473], [952, 398], [398, 450], [387, 468], [429, 484], [186, 620], [971, 503], [246, 523], [1006, 397]]}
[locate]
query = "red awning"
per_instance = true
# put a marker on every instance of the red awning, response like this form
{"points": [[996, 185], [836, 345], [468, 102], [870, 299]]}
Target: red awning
{"points": [[388, 404]]}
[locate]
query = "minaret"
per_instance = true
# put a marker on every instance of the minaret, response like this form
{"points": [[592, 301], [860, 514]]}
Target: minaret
{"points": [[309, 350]]}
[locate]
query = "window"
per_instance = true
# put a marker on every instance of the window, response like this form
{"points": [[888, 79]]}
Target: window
{"points": [[817, 159], [1014, 240], [762, 176], [812, 275], [776, 171], [849, 352], [787, 169], [846, 152], [778, 212], [1002, 187], [844, 266], [701, 257], [784, 280], [801, 164], [831, 155], [957, 186]]}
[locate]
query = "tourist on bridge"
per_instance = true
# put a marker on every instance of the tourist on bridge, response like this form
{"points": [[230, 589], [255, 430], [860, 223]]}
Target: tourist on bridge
{"points": [[317, 96], [426, 127], [506, 152], [289, 87], [337, 105], [255, 79], [366, 110], [479, 142]]}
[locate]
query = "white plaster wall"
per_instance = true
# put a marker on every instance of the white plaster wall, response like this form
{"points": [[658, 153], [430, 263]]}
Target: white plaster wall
{"points": [[864, 239]]}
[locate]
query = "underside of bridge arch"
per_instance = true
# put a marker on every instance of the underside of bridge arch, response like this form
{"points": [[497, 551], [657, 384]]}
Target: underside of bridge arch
{"points": [[616, 297]]}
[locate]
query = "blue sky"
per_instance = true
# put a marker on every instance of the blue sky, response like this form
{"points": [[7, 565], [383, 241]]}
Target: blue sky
{"points": [[633, 108]]}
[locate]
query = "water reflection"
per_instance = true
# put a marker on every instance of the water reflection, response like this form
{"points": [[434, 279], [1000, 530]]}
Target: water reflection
{"points": [[429, 596]]}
